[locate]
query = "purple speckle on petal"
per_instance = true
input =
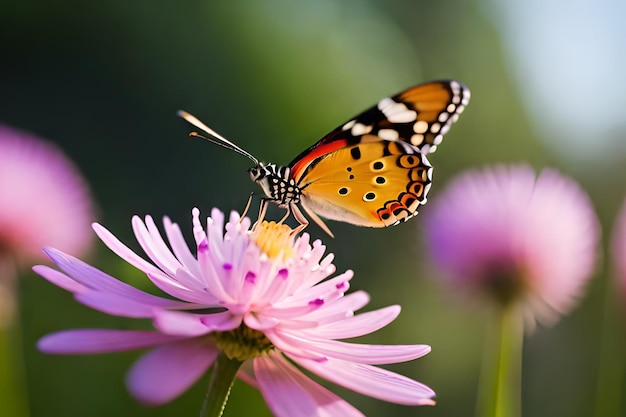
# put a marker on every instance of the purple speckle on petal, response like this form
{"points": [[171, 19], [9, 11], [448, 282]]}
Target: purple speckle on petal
{"points": [[342, 286], [317, 302], [203, 246], [250, 277], [227, 266], [283, 273]]}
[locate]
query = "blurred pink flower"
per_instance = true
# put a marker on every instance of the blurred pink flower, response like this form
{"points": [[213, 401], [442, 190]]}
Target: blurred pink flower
{"points": [[524, 240], [274, 307], [43, 201]]}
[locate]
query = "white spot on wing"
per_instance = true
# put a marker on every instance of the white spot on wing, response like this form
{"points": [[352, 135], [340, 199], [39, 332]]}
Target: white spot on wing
{"points": [[417, 140], [388, 134], [384, 103], [420, 127], [348, 125], [396, 112], [404, 117], [360, 129]]}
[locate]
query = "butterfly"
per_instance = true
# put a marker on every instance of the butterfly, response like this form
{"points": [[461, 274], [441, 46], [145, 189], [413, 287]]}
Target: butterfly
{"points": [[371, 171]]}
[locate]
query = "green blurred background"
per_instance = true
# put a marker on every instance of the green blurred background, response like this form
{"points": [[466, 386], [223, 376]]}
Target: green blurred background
{"points": [[104, 80]]}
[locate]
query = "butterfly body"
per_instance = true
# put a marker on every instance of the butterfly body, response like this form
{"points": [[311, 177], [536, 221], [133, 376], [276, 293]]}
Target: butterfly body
{"points": [[373, 170]]}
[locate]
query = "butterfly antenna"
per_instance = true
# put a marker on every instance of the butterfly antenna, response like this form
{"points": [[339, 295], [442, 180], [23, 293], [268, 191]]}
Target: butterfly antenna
{"points": [[215, 138]]}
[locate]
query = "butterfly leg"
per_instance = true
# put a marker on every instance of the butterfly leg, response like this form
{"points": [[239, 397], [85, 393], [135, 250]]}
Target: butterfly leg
{"points": [[300, 218], [297, 214], [286, 215], [245, 210], [262, 211]]}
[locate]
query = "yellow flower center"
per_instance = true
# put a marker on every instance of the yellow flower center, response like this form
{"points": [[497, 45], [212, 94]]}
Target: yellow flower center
{"points": [[242, 343], [274, 239]]}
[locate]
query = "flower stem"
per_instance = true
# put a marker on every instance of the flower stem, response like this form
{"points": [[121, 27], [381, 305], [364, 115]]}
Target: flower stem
{"points": [[12, 379], [222, 378], [500, 391], [611, 366]]}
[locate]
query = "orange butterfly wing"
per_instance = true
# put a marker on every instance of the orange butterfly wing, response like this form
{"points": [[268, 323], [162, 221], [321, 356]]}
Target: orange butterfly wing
{"points": [[373, 170]]}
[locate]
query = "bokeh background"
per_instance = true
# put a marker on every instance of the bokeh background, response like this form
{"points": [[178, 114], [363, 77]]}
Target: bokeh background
{"points": [[104, 80]]}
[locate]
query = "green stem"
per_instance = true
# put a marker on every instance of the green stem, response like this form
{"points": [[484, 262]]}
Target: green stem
{"points": [[500, 391], [611, 366], [12, 380], [222, 378]]}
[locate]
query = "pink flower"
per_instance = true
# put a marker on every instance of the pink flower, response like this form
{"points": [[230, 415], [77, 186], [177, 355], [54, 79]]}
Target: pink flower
{"points": [[43, 200], [524, 240], [259, 297]]}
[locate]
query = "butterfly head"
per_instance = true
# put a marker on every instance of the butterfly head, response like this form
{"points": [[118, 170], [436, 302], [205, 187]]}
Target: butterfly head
{"points": [[276, 182]]}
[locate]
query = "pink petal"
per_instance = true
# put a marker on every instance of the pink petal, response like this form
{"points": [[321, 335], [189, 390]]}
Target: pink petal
{"points": [[193, 288], [87, 341], [59, 279], [359, 353], [246, 374], [340, 308], [289, 393], [115, 305], [371, 381], [325, 290], [153, 245], [287, 346], [94, 278], [123, 251], [180, 323], [167, 371], [359, 325], [178, 289], [180, 248], [221, 321]]}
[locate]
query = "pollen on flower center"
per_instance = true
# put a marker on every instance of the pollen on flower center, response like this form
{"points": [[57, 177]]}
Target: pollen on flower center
{"points": [[273, 239], [243, 343]]}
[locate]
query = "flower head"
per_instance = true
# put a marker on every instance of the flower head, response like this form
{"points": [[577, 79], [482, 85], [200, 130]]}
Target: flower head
{"points": [[524, 240], [256, 296], [43, 201]]}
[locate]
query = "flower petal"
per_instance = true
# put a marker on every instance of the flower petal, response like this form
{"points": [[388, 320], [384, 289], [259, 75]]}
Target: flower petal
{"points": [[289, 393], [59, 279], [180, 248], [359, 353], [180, 323], [153, 245], [124, 251], [221, 321], [356, 326], [371, 381], [93, 278], [115, 305], [341, 309], [87, 341], [167, 371]]}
